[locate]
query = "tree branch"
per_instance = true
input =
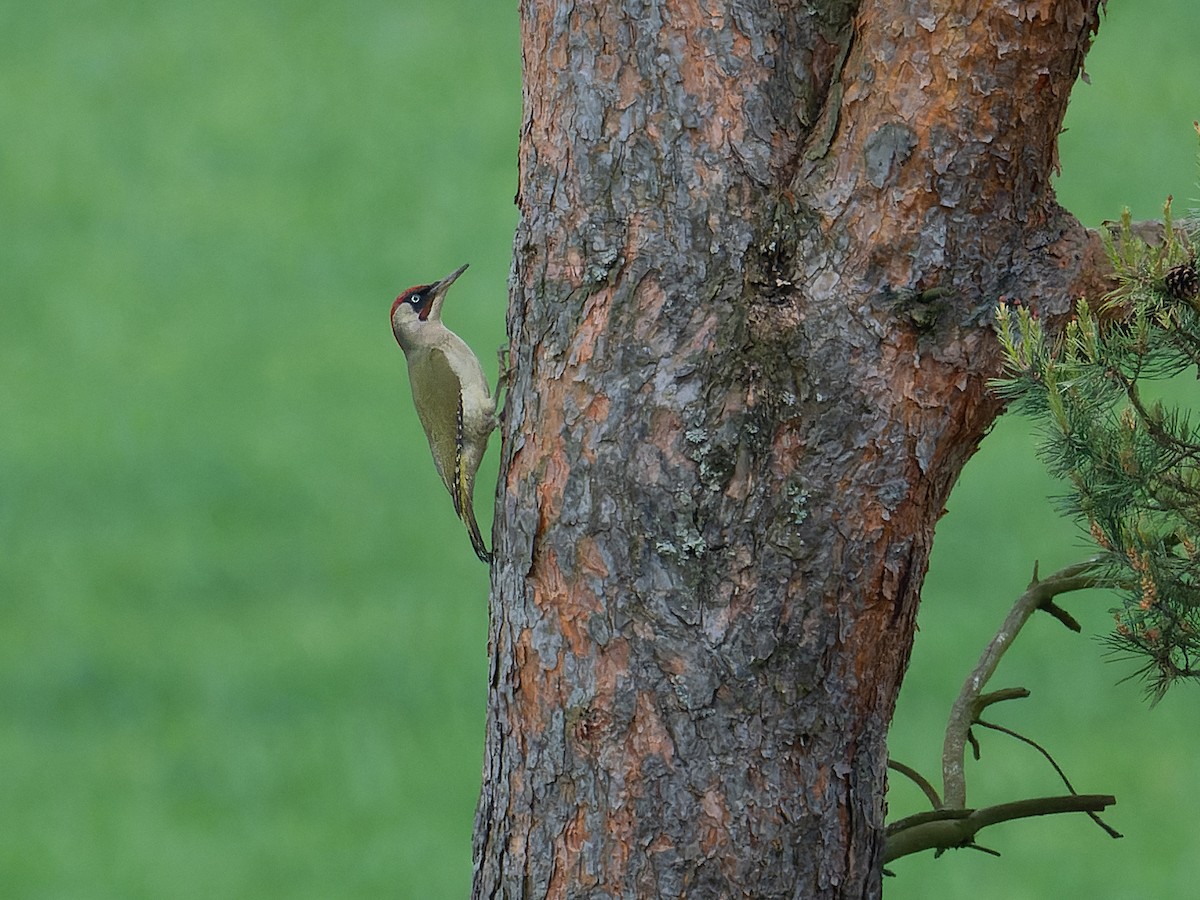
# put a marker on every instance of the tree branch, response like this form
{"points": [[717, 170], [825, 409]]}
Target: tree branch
{"points": [[950, 828], [1094, 276], [970, 703]]}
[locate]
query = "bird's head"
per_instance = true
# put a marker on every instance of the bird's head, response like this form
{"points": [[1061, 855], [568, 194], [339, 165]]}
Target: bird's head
{"points": [[419, 307]]}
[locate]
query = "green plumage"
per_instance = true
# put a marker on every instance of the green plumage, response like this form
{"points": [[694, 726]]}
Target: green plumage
{"points": [[451, 395], [457, 429]]}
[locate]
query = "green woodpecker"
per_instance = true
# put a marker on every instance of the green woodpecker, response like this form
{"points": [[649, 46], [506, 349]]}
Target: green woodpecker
{"points": [[450, 392]]}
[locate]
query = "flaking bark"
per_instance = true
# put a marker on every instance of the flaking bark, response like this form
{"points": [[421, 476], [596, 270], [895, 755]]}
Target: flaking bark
{"points": [[758, 248]]}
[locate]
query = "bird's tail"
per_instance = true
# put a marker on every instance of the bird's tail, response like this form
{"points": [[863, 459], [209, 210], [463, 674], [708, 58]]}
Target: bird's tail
{"points": [[477, 544], [464, 502], [464, 505]]}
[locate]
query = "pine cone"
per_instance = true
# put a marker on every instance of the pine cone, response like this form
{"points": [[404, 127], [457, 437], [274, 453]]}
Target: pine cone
{"points": [[1183, 281]]}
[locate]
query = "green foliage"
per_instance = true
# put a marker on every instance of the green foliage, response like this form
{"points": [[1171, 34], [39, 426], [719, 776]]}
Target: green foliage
{"points": [[1131, 461]]}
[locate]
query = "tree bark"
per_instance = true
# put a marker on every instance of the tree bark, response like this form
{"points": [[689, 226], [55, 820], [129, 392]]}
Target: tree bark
{"points": [[758, 251]]}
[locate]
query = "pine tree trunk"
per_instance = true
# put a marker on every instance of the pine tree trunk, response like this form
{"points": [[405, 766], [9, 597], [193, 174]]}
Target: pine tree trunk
{"points": [[759, 247]]}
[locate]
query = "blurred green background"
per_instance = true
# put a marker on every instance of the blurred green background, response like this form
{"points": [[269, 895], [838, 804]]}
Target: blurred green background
{"points": [[243, 642]]}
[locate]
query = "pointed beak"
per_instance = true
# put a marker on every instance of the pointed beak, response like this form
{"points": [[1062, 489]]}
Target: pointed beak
{"points": [[441, 286], [438, 294]]}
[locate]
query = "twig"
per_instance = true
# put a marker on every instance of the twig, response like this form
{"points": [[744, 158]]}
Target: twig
{"points": [[986, 700], [1062, 615], [921, 781], [1108, 829], [950, 828]]}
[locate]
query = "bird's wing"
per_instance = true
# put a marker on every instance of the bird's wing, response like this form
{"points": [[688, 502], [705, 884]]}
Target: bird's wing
{"points": [[444, 424], [440, 415]]}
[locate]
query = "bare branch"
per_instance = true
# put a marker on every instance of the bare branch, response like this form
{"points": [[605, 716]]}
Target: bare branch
{"points": [[950, 828], [921, 781], [1062, 615], [966, 708], [986, 700]]}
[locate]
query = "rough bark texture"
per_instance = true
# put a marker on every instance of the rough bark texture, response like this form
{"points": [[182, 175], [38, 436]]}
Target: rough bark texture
{"points": [[758, 250]]}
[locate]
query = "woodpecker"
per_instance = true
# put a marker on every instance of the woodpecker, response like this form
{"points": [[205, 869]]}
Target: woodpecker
{"points": [[450, 393]]}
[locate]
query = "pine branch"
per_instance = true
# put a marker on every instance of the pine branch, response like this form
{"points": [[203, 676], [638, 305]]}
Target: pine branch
{"points": [[1132, 465]]}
